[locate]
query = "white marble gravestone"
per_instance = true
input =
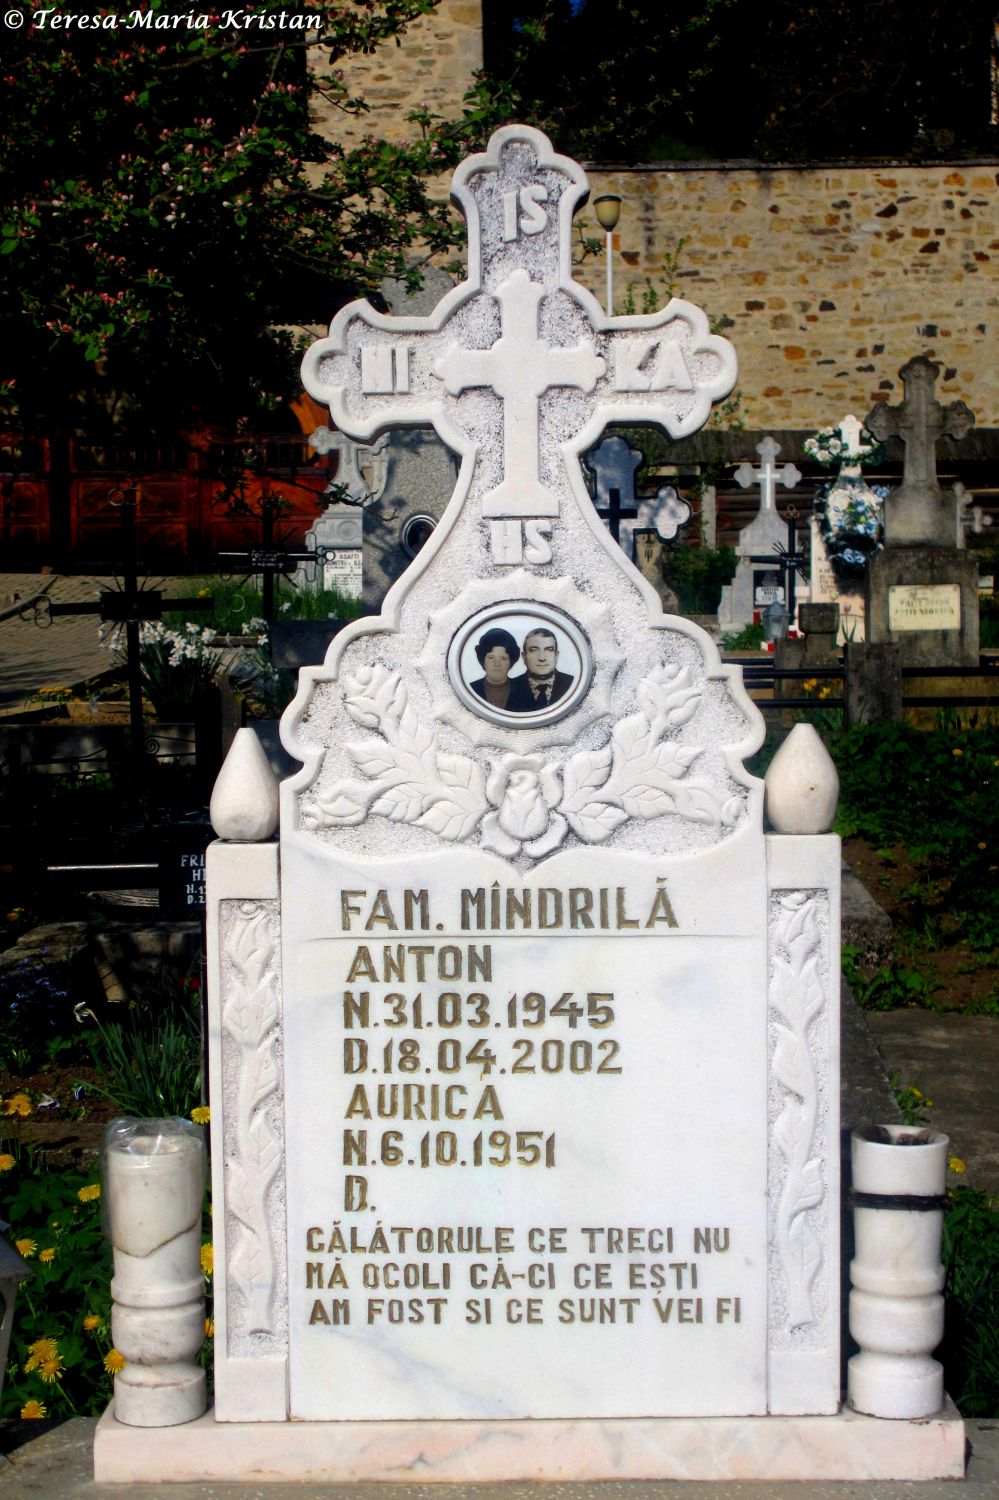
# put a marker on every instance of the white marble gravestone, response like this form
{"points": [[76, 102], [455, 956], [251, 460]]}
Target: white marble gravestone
{"points": [[757, 584], [524, 1035]]}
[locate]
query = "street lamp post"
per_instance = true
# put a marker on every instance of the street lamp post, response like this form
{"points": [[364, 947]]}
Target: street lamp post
{"points": [[608, 210]]}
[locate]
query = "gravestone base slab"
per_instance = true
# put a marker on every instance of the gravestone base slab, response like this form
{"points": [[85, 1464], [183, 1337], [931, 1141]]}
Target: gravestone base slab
{"points": [[843, 1447], [925, 601]]}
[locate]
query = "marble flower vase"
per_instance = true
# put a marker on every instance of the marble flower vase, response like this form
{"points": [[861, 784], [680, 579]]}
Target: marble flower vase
{"points": [[154, 1174], [896, 1306]]}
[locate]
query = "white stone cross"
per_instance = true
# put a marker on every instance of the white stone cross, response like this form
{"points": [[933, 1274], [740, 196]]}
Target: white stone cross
{"points": [[768, 475], [850, 430], [519, 368]]}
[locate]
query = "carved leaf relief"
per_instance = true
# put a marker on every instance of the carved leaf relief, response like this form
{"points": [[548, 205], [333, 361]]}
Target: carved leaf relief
{"points": [[797, 996], [521, 803], [250, 1014]]}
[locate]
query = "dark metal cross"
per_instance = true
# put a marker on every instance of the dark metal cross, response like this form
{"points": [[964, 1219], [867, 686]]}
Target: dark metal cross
{"points": [[268, 560], [131, 606], [614, 513]]}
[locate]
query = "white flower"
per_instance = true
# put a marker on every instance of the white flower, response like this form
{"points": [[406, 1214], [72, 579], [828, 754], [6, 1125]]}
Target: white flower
{"points": [[524, 792]]}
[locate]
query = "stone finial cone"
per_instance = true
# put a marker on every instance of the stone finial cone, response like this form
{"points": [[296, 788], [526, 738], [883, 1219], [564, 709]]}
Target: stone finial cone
{"points": [[802, 787], [244, 805]]}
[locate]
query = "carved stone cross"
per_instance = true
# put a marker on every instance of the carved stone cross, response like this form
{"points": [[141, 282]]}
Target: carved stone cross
{"points": [[850, 430], [919, 512], [767, 475], [519, 369]]}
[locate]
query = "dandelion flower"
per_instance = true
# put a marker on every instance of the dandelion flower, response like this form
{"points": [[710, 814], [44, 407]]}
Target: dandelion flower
{"points": [[33, 1411], [957, 752], [957, 1165], [90, 1322], [201, 1115], [209, 1328], [207, 1259], [46, 1256], [46, 1348], [26, 1248], [6, 1161], [50, 1370], [90, 1192], [114, 1362], [18, 1104], [983, 846]]}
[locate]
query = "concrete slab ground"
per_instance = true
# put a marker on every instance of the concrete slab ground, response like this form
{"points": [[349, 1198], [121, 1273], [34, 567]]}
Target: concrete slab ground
{"points": [[58, 1466], [33, 655]]}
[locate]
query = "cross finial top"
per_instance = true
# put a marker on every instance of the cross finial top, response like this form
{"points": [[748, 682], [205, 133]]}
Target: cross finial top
{"points": [[767, 474], [519, 369], [850, 430], [919, 422]]}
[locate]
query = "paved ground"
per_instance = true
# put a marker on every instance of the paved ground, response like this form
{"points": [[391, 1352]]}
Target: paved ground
{"points": [[50, 652], [58, 1467]]}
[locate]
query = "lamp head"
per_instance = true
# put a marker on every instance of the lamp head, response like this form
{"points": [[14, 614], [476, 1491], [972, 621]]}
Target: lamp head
{"points": [[608, 210]]}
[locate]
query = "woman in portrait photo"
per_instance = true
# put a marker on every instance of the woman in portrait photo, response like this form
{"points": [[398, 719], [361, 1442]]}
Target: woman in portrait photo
{"points": [[497, 654]]}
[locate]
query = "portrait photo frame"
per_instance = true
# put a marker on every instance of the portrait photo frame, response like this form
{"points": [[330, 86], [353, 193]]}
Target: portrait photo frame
{"points": [[514, 620]]}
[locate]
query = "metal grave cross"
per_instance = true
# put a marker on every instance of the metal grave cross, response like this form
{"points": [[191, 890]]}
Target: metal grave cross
{"points": [[614, 464], [268, 561], [789, 561], [767, 475], [519, 369], [132, 606], [919, 511]]}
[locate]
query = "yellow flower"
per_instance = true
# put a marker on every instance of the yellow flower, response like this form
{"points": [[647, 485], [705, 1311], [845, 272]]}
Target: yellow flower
{"points": [[983, 846], [203, 593], [202, 1114], [18, 1104], [32, 1411], [26, 1248], [209, 1328], [916, 1093], [46, 1348], [957, 752], [90, 1192], [810, 684], [956, 1164], [114, 1362], [6, 1161], [46, 1256], [207, 1259], [50, 1370], [90, 1322]]}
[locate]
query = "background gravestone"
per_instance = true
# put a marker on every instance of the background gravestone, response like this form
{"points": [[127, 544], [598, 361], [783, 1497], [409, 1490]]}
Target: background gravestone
{"points": [[755, 584], [922, 589]]}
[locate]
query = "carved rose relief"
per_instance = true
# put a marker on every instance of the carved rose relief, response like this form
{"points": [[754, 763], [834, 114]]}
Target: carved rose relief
{"points": [[523, 802]]}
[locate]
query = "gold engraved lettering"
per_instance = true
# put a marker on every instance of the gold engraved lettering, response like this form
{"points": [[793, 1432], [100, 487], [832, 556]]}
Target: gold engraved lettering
{"points": [[381, 913], [662, 909], [549, 907], [623, 920], [580, 906], [361, 966], [473, 904]]}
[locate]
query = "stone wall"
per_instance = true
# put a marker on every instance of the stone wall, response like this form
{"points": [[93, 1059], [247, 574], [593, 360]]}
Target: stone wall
{"points": [[432, 65], [833, 276]]}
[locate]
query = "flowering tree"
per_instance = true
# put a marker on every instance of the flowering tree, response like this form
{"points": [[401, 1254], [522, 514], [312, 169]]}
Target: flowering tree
{"points": [[168, 209]]}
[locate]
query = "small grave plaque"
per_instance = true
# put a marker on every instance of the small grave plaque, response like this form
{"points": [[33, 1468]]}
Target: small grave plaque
{"points": [[933, 606], [182, 880]]}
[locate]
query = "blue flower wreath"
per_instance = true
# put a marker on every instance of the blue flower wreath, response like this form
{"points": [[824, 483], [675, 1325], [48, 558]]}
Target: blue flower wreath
{"points": [[856, 531]]}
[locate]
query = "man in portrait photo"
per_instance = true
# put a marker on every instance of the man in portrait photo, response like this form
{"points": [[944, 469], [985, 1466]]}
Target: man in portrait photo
{"points": [[541, 684]]}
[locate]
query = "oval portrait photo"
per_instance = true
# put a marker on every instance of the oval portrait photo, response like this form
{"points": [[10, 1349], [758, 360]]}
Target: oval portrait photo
{"points": [[520, 664]]}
